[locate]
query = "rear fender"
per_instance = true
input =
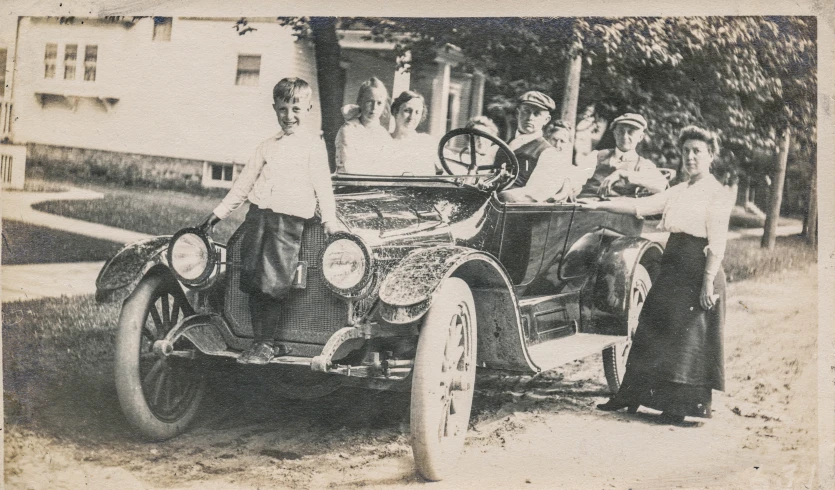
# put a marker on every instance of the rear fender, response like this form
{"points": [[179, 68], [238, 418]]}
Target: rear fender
{"points": [[608, 295], [407, 293], [124, 270]]}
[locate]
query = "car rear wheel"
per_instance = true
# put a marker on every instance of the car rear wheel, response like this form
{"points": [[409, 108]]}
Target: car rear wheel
{"points": [[443, 379], [614, 358], [159, 396]]}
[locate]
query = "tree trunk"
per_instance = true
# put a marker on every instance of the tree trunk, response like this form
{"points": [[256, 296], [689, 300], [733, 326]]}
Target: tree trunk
{"points": [[776, 197], [572, 90], [810, 227], [746, 195], [330, 76]]}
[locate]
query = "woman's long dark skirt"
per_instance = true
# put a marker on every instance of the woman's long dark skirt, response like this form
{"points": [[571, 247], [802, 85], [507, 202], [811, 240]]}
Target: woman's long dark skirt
{"points": [[677, 354]]}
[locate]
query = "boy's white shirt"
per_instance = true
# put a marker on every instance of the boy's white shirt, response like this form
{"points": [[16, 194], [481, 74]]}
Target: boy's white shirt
{"points": [[287, 174]]}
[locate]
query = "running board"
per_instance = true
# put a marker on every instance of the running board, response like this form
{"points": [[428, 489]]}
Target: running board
{"points": [[557, 352]]}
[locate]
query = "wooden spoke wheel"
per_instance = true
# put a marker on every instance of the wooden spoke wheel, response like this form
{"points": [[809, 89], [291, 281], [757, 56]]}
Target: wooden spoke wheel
{"points": [[159, 396], [615, 357], [443, 379]]}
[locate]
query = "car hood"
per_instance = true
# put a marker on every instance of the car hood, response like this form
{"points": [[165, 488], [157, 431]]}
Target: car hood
{"points": [[407, 217]]}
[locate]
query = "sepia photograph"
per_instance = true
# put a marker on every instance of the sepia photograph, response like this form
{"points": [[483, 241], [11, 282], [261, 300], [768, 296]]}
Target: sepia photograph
{"points": [[389, 245]]}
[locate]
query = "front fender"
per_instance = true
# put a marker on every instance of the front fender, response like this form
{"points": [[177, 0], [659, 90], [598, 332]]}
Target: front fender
{"points": [[127, 267], [406, 294], [609, 293]]}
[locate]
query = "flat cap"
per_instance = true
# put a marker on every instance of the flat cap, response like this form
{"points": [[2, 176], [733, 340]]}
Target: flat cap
{"points": [[538, 99], [631, 119]]}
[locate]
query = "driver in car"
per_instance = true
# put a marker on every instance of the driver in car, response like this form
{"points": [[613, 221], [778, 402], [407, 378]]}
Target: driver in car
{"points": [[543, 171], [621, 171]]}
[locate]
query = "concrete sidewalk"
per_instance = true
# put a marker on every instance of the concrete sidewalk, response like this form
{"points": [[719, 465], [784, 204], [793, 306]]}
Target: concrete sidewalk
{"points": [[34, 281], [17, 206]]}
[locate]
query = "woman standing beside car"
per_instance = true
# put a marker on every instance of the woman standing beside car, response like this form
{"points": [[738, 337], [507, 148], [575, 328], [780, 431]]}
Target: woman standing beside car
{"points": [[677, 355]]}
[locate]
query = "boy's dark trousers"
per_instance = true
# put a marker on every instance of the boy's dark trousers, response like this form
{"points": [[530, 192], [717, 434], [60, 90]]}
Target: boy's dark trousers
{"points": [[269, 255]]}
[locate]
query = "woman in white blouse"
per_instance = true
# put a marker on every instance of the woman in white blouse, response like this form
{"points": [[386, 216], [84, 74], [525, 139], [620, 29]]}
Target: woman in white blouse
{"points": [[412, 153], [362, 143], [677, 354]]}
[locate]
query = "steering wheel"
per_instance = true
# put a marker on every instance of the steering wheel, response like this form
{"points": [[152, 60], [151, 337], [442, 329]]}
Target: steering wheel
{"points": [[485, 175]]}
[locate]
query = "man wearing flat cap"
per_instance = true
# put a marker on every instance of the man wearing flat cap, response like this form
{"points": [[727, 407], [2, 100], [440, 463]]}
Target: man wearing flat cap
{"points": [[620, 171], [543, 172]]}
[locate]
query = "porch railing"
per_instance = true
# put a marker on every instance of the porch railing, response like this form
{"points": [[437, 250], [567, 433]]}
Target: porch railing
{"points": [[12, 165], [5, 119]]}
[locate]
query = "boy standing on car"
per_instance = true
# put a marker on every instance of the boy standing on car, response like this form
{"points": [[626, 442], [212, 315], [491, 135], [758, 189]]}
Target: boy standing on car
{"points": [[284, 181], [621, 170], [543, 172]]}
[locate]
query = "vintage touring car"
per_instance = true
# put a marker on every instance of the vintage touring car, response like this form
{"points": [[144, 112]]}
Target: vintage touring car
{"points": [[436, 277]]}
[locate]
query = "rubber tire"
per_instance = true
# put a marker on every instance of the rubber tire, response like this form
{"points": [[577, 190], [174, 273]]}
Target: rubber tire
{"points": [[615, 357], [129, 340], [435, 455]]}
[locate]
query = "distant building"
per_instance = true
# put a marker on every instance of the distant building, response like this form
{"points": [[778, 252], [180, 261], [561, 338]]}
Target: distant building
{"points": [[184, 98]]}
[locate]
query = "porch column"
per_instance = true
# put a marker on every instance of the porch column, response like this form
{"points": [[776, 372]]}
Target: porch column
{"points": [[440, 100], [402, 81], [477, 94]]}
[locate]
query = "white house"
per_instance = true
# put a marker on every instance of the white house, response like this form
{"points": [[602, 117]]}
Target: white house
{"points": [[184, 98]]}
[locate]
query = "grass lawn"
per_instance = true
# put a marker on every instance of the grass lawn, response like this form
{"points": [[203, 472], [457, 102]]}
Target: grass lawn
{"points": [[29, 244], [59, 347], [156, 212], [745, 259]]}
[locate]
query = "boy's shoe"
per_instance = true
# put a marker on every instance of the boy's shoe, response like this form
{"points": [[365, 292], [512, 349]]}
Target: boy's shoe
{"points": [[260, 353]]}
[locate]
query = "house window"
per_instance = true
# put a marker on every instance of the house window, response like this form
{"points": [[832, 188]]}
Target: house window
{"points": [[70, 57], [2, 72], [162, 28], [222, 172], [249, 68], [50, 57], [91, 53]]}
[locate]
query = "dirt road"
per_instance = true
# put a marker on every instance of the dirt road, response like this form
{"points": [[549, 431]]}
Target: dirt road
{"points": [[540, 432]]}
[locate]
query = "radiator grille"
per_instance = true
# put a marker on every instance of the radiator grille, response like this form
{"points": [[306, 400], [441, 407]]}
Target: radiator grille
{"points": [[311, 315]]}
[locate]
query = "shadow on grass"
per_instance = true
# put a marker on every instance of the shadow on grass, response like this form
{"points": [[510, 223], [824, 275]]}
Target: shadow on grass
{"points": [[154, 212], [30, 244]]}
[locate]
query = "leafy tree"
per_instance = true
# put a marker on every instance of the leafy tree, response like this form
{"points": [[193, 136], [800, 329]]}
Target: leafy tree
{"points": [[749, 78]]}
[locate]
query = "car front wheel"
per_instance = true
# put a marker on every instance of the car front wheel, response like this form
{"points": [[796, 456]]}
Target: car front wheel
{"points": [[614, 358], [159, 396], [443, 379]]}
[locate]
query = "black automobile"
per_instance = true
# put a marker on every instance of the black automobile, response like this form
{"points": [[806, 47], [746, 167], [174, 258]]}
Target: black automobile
{"points": [[435, 278]]}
